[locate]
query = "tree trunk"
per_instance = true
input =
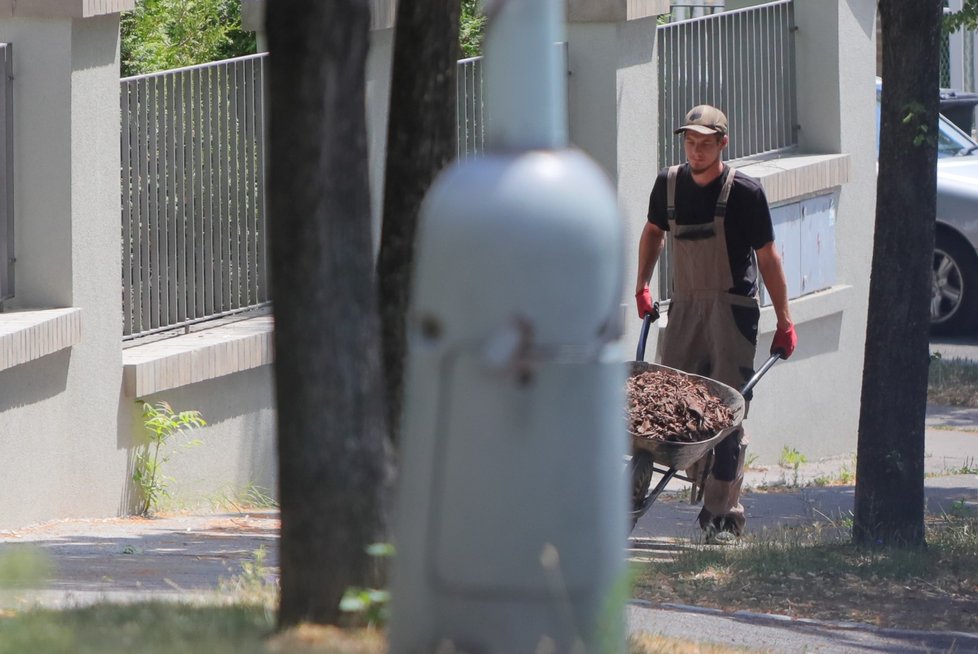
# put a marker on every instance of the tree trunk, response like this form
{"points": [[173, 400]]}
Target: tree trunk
{"points": [[889, 504], [331, 432], [420, 143]]}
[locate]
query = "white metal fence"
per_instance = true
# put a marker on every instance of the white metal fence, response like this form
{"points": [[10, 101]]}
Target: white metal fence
{"points": [[6, 172], [194, 222], [469, 108], [741, 61], [193, 205]]}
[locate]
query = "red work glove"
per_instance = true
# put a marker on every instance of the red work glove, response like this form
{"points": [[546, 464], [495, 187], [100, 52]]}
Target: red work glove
{"points": [[784, 341], [643, 299]]}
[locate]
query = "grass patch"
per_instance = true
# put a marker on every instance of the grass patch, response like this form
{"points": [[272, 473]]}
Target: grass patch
{"points": [[952, 382], [814, 572], [151, 628], [168, 628], [654, 644]]}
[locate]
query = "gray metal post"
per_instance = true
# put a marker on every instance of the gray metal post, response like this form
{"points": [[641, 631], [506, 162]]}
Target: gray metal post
{"points": [[510, 517]]}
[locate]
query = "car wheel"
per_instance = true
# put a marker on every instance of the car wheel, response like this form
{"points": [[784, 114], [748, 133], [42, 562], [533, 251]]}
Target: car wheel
{"points": [[954, 286]]}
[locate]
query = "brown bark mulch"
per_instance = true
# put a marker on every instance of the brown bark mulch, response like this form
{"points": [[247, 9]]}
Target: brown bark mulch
{"points": [[665, 405]]}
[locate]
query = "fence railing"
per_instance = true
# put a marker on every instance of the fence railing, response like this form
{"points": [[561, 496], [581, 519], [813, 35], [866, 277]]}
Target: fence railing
{"points": [[194, 221], [193, 195], [470, 109], [6, 172], [741, 61]]}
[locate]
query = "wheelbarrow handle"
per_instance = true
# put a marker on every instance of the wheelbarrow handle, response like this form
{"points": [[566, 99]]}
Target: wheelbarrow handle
{"points": [[644, 336], [748, 390]]}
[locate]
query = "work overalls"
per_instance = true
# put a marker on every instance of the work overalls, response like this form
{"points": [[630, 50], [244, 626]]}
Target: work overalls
{"points": [[710, 332]]}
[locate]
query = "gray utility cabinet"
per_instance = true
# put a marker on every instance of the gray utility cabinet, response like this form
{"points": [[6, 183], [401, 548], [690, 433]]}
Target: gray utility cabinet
{"points": [[804, 231]]}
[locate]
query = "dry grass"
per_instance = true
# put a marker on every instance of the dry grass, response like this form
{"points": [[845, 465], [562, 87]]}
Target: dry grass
{"points": [[952, 382], [811, 573]]}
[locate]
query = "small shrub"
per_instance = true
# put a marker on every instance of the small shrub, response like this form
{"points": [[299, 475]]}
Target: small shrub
{"points": [[163, 424], [792, 458]]}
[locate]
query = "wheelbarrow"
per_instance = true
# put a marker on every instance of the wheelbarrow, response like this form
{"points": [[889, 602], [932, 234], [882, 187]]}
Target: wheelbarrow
{"points": [[666, 456]]}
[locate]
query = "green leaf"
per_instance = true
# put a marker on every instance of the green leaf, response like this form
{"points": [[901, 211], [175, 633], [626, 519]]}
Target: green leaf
{"points": [[380, 549], [352, 602]]}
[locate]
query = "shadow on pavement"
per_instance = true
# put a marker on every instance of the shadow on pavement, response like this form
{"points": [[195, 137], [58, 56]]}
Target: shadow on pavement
{"points": [[170, 555]]}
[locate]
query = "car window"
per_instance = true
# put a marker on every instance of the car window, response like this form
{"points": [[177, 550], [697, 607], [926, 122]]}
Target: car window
{"points": [[951, 141]]}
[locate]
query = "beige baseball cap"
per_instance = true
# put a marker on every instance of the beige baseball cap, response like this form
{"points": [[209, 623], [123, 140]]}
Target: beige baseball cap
{"points": [[704, 119]]}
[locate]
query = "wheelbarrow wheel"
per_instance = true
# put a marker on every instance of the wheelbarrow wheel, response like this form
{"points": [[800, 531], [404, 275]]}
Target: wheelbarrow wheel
{"points": [[642, 471]]}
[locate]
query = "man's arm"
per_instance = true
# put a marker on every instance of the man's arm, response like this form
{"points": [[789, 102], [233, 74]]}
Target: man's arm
{"points": [[650, 246], [772, 272]]}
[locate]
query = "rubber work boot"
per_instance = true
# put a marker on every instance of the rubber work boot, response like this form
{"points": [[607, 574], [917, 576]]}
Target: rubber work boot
{"points": [[720, 530]]}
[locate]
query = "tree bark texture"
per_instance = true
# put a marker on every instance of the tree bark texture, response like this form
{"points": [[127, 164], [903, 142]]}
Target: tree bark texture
{"points": [[889, 502], [421, 141], [331, 431]]}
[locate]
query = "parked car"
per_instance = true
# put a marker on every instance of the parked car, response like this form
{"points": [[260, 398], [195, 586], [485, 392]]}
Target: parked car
{"points": [[954, 302]]}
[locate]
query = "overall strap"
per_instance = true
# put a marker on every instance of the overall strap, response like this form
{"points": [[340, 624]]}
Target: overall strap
{"points": [[671, 192], [721, 209]]}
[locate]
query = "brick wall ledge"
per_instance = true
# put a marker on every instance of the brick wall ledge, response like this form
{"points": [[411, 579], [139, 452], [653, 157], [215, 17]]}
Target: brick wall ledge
{"points": [[28, 334], [197, 356], [797, 175]]}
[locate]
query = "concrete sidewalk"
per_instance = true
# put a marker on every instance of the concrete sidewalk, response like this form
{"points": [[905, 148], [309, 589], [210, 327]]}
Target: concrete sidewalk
{"points": [[172, 557]]}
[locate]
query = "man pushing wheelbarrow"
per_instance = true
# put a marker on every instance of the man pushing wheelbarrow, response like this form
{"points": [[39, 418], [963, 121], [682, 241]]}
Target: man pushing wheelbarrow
{"points": [[720, 235]]}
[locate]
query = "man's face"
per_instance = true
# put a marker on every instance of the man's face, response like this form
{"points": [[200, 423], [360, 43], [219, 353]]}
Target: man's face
{"points": [[703, 150]]}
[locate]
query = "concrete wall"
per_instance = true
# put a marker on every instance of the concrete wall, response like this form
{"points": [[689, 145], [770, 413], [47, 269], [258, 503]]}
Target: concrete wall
{"points": [[237, 450], [811, 402], [60, 452], [613, 93], [67, 429]]}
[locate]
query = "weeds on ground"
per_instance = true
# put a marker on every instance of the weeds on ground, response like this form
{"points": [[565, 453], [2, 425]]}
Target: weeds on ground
{"points": [[255, 585], [969, 467], [792, 458], [815, 572], [952, 382], [252, 498], [844, 477]]}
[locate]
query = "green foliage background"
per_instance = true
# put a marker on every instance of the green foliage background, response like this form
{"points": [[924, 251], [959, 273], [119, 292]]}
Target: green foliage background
{"points": [[164, 34], [471, 28], [967, 17]]}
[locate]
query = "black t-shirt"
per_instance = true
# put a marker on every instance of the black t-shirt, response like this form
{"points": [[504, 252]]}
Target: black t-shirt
{"points": [[747, 222]]}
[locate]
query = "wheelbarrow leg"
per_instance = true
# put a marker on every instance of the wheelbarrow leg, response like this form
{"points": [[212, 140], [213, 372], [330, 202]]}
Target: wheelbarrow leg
{"points": [[701, 471]]}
